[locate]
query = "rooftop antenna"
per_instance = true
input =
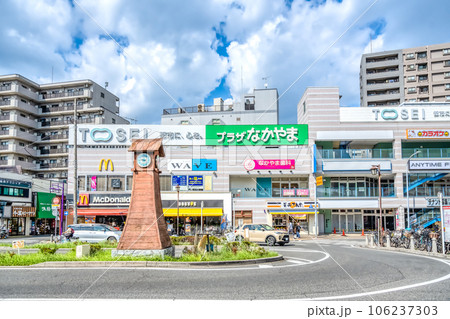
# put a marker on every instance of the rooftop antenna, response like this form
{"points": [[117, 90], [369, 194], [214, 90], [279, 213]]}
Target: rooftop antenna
{"points": [[265, 81], [106, 84]]}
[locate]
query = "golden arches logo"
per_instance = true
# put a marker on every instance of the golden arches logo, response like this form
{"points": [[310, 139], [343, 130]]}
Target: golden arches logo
{"points": [[83, 200], [105, 163]]}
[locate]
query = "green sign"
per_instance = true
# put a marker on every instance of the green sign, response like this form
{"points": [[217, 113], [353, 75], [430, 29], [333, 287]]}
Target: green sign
{"points": [[44, 205], [285, 134]]}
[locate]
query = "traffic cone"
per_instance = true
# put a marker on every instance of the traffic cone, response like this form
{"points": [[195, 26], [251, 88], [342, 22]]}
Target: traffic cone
{"points": [[343, 233], [334, 231], [362, 232]]}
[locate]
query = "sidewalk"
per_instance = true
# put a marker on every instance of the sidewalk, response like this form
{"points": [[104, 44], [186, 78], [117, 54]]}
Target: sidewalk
{"points": [[29, 240]]}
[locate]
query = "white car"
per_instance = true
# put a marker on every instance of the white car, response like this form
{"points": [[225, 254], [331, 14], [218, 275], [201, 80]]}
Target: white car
{"points": [[95, 233]]}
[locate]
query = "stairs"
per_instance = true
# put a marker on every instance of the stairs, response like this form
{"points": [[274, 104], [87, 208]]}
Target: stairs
{"points": [[424, 180], [425, 220]]}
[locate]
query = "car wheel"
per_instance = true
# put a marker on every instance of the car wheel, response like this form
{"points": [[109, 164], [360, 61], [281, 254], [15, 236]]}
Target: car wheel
{"points": [[239, 238], [270, 241], [112, 239]]}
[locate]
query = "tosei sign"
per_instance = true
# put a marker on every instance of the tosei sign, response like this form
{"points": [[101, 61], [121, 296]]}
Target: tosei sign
{"points": [[394, 114]]}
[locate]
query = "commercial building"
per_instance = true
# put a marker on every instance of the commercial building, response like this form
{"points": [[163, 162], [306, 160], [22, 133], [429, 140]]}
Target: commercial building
{"points": [[259, 107], [420, 74], [35, 118]]}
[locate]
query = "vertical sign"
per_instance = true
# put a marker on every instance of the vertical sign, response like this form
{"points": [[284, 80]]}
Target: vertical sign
{"points": [[93, 183], [446, 212]]}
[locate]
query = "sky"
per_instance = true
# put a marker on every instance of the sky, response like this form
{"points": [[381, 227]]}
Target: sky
{"points": [[158, 54]]}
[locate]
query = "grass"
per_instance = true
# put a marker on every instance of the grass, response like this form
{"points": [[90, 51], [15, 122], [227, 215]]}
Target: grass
{"points": [[230, 251]]}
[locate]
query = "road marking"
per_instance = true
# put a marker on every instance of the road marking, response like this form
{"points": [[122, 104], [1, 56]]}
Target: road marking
{"points": [[296, 262], [265, 266]]}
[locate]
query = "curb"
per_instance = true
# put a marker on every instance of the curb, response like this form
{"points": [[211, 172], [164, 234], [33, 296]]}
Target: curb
{"points": [[414, 252], [153, 264]]}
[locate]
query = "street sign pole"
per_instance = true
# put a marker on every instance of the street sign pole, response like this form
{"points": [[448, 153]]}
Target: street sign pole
{"points": [[442, 223]]}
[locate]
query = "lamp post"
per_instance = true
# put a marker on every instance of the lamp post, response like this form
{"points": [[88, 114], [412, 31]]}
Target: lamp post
{"points": [[442, 223], [178, 208], [407, 185], [376, 170]]}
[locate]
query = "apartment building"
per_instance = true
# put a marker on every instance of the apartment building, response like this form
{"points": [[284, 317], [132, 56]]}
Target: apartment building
{"points": [[35, 119], [420, 74], [261, 106]]}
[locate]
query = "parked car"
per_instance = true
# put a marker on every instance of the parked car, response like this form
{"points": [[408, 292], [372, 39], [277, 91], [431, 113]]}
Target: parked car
{"points": [[95, 233], [262, 233]]}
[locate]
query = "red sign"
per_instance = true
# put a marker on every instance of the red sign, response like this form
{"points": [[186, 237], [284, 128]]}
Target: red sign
{"points": [[424, 134], [269, 164], [56, 200]]}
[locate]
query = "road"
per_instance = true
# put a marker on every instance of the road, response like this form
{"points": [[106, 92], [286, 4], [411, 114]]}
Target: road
{"points": [[325, 269]]}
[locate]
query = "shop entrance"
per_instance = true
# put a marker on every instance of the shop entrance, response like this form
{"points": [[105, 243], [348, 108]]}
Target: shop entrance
{"points": [[347, 220]]}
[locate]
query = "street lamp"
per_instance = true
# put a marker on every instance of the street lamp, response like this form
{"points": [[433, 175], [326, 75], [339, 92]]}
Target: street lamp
{"points": [[376, 170], [442, 222], [407, 185], [178, 208]]}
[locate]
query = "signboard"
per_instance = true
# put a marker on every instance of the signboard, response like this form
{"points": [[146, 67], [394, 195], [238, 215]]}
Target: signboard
{"points": [[400, 218], [395, 114], [446, 213], [295, 192], [18, 244], [83, 200], [287, 205], [109, 199], [56, 187], [12, 182], [250, 164], [91, 134], [424, 165], [23, 211], [93, 183], [427, 134], [179, 165], [56, 201], [434, 202], [195, 180], [319, 181], [66, 213], [295, 134], [105, 164], [179, 180], [193, 203], [204, 165], [44, 205]]}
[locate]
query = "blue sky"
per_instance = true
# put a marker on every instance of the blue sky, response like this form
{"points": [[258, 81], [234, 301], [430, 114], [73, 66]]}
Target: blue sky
{"points": [[161, 54]]}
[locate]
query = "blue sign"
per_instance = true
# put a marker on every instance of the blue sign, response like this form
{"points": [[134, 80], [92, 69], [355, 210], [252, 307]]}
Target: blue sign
{"points": [[195, 180], [179, 180], [204, 164], [66, 213]]}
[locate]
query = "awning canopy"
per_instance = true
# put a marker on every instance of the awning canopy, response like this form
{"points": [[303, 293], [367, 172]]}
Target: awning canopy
{"points": [[193, 212], [291, 211], [102, 212]]}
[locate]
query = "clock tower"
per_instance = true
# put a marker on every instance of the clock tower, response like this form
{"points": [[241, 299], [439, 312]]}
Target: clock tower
{"points": [[145, 231]]}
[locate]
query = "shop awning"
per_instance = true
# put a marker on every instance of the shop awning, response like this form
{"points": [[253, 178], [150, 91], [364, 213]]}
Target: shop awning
{"points": [[192, 212], [101, 212], [291, 212]]}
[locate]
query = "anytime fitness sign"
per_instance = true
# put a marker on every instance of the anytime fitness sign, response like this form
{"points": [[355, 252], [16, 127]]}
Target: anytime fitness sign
{"points": [[426, 165]]}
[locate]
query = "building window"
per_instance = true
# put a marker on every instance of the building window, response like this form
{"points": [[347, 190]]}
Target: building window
{"points": [[422, 55], [113, 121], [447, 63], [3, 158], [411, 67], [446, 51], [412, 100], [411, 78], [22, 159], [411, 90], [82, 183], [130, 182], [116, 183], [216, 122], [422, 67], [409, 56], [447, 75], [423, 77], [102, 95], [184, 122], [165, 183], [447, 97], [447, 86]]}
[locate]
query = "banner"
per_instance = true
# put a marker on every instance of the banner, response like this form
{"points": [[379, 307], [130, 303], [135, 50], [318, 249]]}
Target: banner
{"points": [[44, 205], [427, 134], [93, 183], [250, 164], [295, 134]]}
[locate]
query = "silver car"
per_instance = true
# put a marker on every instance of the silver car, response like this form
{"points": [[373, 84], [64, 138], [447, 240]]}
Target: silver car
{"points": [[95, 233]]}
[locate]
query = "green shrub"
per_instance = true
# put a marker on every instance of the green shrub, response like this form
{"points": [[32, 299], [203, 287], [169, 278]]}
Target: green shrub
{"points": [[48, 249], [95, 248]]}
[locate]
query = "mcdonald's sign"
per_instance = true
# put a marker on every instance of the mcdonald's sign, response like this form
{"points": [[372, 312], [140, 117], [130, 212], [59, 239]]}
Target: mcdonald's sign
{"points": [[83, 200], [105, 163]]}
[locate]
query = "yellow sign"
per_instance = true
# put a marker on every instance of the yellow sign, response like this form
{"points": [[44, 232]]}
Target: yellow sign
{"points": [[105, 163], [83, 200], [18, 244], [319, 180]]}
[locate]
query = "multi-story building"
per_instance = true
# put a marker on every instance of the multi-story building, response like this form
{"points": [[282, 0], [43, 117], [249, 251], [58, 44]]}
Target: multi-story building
{"points": [[259, 107], [420, 74], [35, 119]]}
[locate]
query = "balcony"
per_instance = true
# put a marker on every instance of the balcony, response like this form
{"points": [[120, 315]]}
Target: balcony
{"points": [[60, 109], [355, 192], [356, 153], [198, 109], [426, 152], [5, 87], [58, 151], [14, 133], [52, 138], [52, 165], [86, 93], [14, 148], [5, 117], [429, 191]]}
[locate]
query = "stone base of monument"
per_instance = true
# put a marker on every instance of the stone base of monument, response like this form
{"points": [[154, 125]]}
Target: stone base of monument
{"points": [[169, 251]]}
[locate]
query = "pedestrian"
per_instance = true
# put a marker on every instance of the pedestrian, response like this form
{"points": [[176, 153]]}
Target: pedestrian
{"points": [[69, 233], [291, 228], [297, 230]]}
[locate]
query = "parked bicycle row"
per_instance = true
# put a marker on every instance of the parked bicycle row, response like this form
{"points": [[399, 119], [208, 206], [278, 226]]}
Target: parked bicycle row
{"points": [[422, 239]]}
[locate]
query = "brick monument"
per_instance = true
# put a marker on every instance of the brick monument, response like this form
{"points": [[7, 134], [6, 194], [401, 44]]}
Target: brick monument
{"points": [[145, 231]]}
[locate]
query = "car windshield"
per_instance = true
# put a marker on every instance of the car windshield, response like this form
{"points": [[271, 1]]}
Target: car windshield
{"points": [[267, 227], [109, 228]]}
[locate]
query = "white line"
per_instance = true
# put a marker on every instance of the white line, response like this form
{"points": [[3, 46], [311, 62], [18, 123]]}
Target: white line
{"points": [[297, 262], [265, 266]]}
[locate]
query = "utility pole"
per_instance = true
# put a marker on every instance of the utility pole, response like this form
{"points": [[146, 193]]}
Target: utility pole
{"points": [[75, 163]]}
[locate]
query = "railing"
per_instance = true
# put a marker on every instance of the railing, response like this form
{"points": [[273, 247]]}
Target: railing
{"points": [[6, 102], [4, 147], [52, 165], [54, 137], [426, 152], [61, 108], [5, 87], [356, 153], [5, 117], [429, 191], [53, 151], [62, 94], [3, 162], [196, 109], [355, 192]]}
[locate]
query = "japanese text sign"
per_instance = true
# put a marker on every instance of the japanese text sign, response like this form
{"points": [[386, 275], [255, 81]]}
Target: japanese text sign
{"points": [[250, 164], [295, 134]]}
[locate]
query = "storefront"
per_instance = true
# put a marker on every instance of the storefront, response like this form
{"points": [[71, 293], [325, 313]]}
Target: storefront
{"points": [[45, 221], [295, 212], [23, 220]]}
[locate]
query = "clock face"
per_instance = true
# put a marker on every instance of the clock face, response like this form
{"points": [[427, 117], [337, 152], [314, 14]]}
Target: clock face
{"points": [[144, 160]]}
